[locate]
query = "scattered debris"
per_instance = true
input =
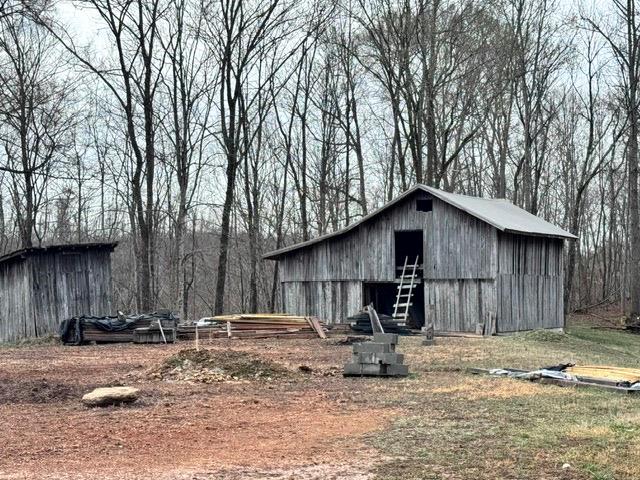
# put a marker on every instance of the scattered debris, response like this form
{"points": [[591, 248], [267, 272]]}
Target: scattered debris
{"points": [[254, 325], [623, 380], [211, 366], [377, 358], [429, 338], [102, 397], [120, 328], [351, 339]]}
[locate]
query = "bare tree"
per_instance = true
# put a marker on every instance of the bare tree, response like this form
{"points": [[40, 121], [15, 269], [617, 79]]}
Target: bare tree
{"points": [[624, 42], [35, 121]]}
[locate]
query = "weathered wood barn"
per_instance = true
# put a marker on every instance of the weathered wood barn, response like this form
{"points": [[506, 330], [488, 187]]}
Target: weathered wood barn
{"points": [[41, 286], [480, 261]]}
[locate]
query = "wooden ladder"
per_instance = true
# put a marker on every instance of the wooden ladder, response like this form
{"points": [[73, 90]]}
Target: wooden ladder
{"points": [[405, 292]]}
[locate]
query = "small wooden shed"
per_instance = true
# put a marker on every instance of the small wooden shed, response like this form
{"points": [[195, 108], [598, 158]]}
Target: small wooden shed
{"points": [[481, 261], [41, 286]]}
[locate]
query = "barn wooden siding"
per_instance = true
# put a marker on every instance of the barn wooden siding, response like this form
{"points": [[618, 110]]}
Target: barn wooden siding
{"points": [[331, 301], [40, 289], [530, 283], [471, 270]]}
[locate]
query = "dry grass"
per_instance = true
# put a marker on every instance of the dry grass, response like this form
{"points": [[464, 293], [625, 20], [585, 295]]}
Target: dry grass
{"points": [[463, 426]]}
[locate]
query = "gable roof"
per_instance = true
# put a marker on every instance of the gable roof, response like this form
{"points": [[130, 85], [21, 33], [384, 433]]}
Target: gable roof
{"points": [[498, 212]]}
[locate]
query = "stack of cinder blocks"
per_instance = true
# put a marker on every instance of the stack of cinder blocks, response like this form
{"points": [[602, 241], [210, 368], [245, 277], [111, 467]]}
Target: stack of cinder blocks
{"points": [[377, 358]]}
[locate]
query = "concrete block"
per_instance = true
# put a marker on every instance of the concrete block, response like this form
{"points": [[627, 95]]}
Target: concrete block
{"points": [[352, 369], [378, 358], [371, 370], [391, 338], [373, 347], [365, 369], [397, 370]]}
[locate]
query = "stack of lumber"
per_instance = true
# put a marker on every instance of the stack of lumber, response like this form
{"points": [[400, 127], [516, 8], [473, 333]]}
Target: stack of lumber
{"points": [[255, 325], [603, 372]]}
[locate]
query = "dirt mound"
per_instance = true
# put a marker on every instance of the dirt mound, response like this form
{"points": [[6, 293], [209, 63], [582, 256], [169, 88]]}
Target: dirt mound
{"points": [[210, 366], [35, 391]]}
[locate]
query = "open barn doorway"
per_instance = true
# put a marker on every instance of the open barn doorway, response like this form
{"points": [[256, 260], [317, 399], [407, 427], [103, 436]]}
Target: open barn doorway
{"points": [[383, 296], [408, 245]]}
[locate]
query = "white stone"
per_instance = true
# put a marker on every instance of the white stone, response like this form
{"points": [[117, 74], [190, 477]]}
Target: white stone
{"points": [[101, 397]]}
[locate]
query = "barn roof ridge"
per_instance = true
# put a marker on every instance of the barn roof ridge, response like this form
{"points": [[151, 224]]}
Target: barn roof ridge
{"points": [[23, 252], [497, 212]]}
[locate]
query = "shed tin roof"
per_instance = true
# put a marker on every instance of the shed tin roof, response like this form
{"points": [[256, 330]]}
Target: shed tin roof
{"points": [[500, 213], [71, 247]]}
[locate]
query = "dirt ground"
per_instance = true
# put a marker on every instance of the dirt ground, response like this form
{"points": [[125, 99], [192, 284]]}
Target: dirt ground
{"points": [[441, 422], [309, 425]]}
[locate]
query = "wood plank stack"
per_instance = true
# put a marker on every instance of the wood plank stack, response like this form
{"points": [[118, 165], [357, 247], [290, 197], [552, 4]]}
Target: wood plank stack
{"points": [[254, 325]]}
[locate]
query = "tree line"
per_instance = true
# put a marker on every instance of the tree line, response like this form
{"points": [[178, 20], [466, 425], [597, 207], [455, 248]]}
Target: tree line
{"points": [[202, 133]]}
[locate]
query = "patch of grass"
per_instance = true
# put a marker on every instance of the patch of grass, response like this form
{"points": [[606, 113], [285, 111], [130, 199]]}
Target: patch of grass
{"points": [[49, 339], [598, 473], [544, 336], [466, 426]]}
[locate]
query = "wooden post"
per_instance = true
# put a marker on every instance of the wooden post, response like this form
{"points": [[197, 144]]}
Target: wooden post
{"points": [[428, 335], [492, 327], [162, 331]]}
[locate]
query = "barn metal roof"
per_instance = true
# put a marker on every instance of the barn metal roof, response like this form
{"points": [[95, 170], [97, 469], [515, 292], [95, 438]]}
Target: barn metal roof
{"points": [[500, 213], [70, 247]]}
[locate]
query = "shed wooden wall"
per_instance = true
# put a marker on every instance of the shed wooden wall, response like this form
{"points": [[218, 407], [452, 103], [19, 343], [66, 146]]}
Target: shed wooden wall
{"points": [[45, 288], [16, 314]]}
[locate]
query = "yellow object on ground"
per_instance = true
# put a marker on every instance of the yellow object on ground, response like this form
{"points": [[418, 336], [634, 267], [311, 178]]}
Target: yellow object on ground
{"points": [[630, 375]]}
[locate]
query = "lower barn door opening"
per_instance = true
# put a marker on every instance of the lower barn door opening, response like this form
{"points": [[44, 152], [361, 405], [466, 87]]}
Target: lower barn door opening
{"points": [[383, 296]]}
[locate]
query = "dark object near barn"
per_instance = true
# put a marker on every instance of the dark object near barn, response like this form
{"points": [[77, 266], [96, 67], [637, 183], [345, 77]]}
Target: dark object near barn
{"points": [[361, 323], [143, 328], [41, 286]]}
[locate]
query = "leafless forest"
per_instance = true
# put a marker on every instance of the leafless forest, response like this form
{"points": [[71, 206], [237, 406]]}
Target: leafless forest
{"points": [[201, 134]]}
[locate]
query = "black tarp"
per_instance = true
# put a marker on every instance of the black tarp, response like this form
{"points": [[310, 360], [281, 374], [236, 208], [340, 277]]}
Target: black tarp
{"points": [[71, 329]]}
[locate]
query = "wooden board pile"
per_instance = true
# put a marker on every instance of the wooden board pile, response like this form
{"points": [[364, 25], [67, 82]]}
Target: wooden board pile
{"points": [[254, 325], [616, 379]]}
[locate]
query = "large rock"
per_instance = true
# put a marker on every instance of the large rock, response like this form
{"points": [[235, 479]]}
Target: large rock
{"points": [[102, 397]]}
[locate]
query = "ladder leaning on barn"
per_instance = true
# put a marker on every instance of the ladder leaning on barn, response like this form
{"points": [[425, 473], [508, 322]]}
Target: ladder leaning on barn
{"points": [[403, 299]]}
